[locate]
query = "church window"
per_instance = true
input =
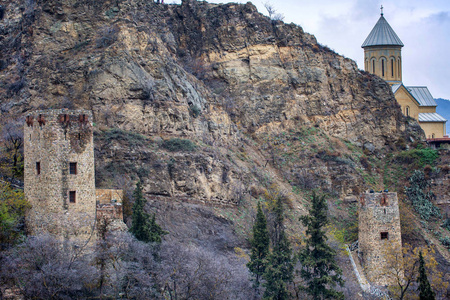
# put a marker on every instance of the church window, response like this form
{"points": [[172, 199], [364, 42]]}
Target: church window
{"points": [[392, 67], [382, 67], [407, 111], [373, 66], [38, 167], [72, 196], [384, 235], [73, 168], [399, 68]]}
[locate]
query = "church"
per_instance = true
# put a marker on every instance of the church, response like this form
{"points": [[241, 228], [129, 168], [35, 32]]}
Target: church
{"points": [[382, 57]]}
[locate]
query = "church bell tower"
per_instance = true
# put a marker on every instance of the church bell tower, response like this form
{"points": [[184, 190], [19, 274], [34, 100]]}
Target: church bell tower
{"points": [[382, 52]]}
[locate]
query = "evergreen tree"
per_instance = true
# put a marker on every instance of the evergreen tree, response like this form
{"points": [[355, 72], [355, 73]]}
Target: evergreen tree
{"points": [[144, 228], [260, 246], [280, 266], [426, 293], [319, 268]]}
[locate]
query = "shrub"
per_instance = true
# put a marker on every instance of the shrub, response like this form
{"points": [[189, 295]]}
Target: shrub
{"points": [[107, 36], [15, 87], [446, 224], [176, 144], [131, 138], [420, 196], [365, 163], [418, 157], [195, 111], [445, 241]]}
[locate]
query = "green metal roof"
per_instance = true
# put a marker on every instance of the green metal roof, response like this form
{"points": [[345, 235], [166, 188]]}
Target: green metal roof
{"points": [[382, 35]]}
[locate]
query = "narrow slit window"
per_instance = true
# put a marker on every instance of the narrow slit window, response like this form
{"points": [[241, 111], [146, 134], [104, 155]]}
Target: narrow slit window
{"points": [[392, 67], [382, 67], [73, 168], [384, 235], [72, 196], [373, 66], [38, 167], [407, 111]]}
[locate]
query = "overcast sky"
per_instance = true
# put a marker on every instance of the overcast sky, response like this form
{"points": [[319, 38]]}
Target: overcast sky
{"points": [[343, 25]]}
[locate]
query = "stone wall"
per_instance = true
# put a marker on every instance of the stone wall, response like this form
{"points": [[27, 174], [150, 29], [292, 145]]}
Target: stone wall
{"points": [[52, 140], [379, 234], [109, 204]]}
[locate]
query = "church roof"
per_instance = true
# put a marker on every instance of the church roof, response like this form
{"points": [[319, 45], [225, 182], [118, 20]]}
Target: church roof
{"points": [[422, 95], [431, 117], [395, 87], [382, 35]]}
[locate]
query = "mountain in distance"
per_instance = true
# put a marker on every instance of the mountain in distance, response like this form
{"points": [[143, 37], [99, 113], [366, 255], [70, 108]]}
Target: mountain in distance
{"points": [[443, 108]]}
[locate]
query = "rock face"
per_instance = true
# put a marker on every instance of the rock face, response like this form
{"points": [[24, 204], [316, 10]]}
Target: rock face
{"points": [[223, 76]]}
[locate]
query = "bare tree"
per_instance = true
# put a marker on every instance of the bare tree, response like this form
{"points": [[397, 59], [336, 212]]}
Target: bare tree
{"points": [[41, 268], [273, 15]]}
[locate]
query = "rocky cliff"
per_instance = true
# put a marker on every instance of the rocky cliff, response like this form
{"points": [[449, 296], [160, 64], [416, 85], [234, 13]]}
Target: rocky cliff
{"points": [[237, 84]]}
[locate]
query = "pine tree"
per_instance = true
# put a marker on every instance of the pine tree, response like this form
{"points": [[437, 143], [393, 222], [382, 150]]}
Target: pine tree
{"points": [[280, 267], [319, 268], [144, 228], [426, 293], [260, 246]]}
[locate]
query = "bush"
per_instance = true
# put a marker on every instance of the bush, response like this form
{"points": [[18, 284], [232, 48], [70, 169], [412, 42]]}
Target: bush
{"points": [[15, 87], [107, 36], [446, 224], [445, 241], [420, 196], [418, 157], [131, 138], [176, 144], [195, 111]]}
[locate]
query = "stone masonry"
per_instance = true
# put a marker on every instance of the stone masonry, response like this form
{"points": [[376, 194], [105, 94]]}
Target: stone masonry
{"points": [[59, 173], [379, 234]]}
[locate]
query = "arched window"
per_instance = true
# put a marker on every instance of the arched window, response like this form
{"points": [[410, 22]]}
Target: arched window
{"points": [[399, 68], [392, 67], [366, 65], [382, 67], [373, 66], [407, 111]]}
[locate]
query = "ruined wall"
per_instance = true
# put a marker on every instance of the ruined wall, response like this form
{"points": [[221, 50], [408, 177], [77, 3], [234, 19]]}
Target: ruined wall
{"points": [[62, 195], [379, 234], [109, 204]]}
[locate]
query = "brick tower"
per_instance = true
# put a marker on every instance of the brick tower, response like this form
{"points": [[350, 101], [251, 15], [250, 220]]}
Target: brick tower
{"points": [[59, 173], [379, 234]]}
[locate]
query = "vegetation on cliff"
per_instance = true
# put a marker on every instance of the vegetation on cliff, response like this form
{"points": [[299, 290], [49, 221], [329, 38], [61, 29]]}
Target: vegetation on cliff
{"points": [[213, 108]]}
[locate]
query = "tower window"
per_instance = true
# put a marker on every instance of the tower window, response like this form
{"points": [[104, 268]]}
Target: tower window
{"points": [[382, 67], [73, 168], [384, 235], [373, 66], [72, 196], [392, 67], [38, 168], [407, 111]]}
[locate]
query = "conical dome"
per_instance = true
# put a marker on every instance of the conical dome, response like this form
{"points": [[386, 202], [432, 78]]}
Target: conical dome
{"points": [[382, 35]]}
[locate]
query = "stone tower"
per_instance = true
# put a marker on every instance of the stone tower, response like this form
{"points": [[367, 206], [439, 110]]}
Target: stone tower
{"points": [[383, 52], [59, 173], [379, 234]]}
